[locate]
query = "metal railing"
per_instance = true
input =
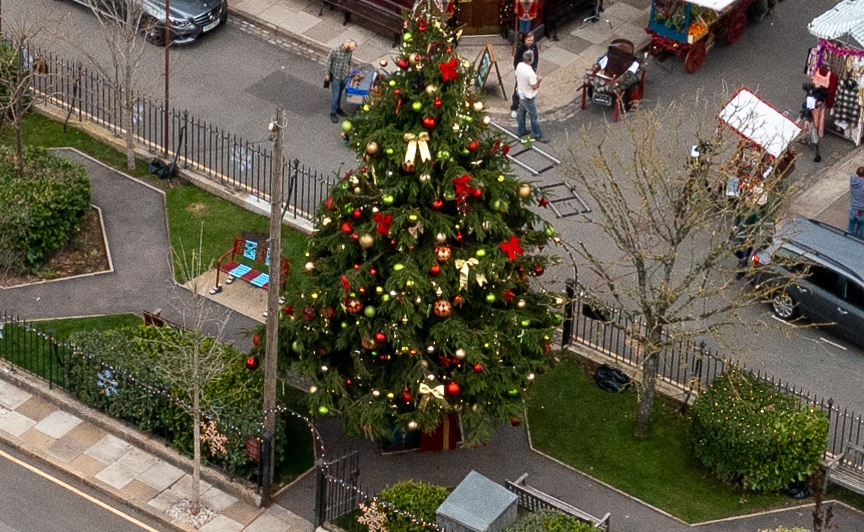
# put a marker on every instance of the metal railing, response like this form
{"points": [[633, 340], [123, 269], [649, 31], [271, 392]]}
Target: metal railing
{"points": [[195, 143], [689, 366], [35, 351]]}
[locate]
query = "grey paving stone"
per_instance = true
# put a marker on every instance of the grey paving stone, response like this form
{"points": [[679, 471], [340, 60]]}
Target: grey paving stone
{"points": [[220, 523], [108, 449], [11, 397], [57, 424], [217, 500], [165, 500], [137, 460], [267, 523], [15, 424], [65, 449], [116, 475], [183, 487], [160, 475]]}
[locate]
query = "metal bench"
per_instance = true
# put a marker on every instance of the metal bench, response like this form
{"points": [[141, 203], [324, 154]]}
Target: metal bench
{"points": [[384, 16], [533, 499], [253, 253], [847, 469]]}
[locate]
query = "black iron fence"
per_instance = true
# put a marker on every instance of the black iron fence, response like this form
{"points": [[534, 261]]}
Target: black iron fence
{"points": [[35, 351], [688, 365], [236, 163]]}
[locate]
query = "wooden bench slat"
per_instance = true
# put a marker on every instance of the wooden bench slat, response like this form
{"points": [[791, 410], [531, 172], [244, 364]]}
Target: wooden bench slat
{"points": [[847, 469]]}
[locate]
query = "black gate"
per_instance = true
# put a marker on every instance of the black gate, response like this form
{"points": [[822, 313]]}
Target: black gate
{"points": [[337, 492]]}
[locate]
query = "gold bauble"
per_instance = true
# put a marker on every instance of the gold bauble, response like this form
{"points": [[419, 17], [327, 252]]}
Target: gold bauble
{"points": [[372, 148], [441, 238], [456, 128], [478, 106], [366, 240], [487, 120], [415, 58], [524, 190], [431, 89], [383, 63]]}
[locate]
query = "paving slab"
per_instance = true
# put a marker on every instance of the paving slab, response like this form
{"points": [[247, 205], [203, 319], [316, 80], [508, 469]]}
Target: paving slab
{"points": [[217, 500], [65, 449], [108, 449], [116, 475], [11, 397], [160, 475], [137, 460], [15, 424], [220, 523]]}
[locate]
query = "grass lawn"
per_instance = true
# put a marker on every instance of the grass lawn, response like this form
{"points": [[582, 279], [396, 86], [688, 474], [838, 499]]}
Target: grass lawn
{"points": [[62, 329], [659, 469]]}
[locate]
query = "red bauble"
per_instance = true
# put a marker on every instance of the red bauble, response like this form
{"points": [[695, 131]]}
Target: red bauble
{"points": [[357, 213], [452, 388], [437, 204], [508, 295], [429, 122], [459, 236], [515, 422], [380, 337], [478, 368], [373, 271], [437, 103], [403, 63], [477, 193], [408, 167], [397, 92], [547, 347], [355, 236], [353, 305], [288, 310], [537, 270], [308, 313], [458, 301], [256, 340], [252, 363], [442, 308], [346, 228], [329, 203], [406, 395], [435, 269], [473, 145]]}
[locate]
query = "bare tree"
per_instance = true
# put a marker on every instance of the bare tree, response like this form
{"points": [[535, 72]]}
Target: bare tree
{"points": [[18, 68], [125, 26], [666, 254], [194, 358]]}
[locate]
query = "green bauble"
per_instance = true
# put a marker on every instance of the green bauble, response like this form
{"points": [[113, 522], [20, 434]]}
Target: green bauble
{"points": [[347, 126], [323, 410], [490, 298], [398, 267], [392, 83], [480, 252], [513, 393], [387, 199], [525, 323], [369, 311], [296, 346], [550, 231], [344, 324], [389, 151], [417, 106], [407, 37], [557, 319], [497, 204]]}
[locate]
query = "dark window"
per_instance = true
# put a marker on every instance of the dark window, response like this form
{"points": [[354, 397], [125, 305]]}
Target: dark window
{"points": [[822, 277], [854, 294]]}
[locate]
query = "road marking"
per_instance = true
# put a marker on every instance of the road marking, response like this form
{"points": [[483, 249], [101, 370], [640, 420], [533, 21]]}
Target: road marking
{"points": [[832, 343], [784, 322], [78, 492]]}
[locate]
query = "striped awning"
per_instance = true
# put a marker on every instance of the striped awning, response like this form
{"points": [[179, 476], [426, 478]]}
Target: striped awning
{"points": [[846, 18]]}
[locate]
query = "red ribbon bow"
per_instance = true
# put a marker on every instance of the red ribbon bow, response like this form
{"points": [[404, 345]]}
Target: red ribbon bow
{"points": [[511, 248], [383, 223], [461, 186], [448, 70]]}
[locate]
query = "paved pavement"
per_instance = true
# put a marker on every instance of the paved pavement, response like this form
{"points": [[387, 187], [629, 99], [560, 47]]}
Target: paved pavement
{"points": [[130, 466]]}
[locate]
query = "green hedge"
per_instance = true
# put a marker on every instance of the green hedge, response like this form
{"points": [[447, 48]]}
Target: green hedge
{"points": [[548, 521], [746, 430], [39, 213], [417, 498], [119, 376]]}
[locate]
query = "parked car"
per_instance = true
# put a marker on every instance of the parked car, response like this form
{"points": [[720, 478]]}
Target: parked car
{"points": [[189, 18], [818, 273]]}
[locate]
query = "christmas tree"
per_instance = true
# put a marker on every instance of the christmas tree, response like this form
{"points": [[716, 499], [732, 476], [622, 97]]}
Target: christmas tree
{"points": [[417, 298]]}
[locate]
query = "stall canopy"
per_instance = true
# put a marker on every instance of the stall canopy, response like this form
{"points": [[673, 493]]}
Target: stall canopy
{"points": [[757, 121], [716, 5], [846, 18]]}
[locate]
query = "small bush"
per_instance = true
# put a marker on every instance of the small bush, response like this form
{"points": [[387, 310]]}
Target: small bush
{"points": [[746, 430], [549, 521], [146, 401], [417, 498], [39, 213]]}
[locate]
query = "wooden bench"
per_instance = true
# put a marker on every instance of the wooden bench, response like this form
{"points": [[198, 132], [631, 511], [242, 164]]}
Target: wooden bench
{"points": [[847, 469], [533, 499], [384, 16], [250, 252]]}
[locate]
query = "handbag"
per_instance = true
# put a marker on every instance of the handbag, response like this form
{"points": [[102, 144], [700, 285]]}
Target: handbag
{"points": [[326, 83]]}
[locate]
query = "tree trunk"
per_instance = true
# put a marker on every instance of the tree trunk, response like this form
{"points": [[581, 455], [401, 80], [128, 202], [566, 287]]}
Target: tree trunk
{"points": [[650, 363], [195, 502], [129, 112], [17, 119]]}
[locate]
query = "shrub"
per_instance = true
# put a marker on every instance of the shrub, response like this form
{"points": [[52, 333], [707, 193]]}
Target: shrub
{"points": [[549, 521], [118, 377], [784, 529], [746, 430], [39, 213], [417, 498]]}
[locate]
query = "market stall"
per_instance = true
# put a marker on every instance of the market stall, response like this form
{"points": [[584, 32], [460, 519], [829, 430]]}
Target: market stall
{"points": [[763, 151], [616, 80], [690, 28], [836, 65]]}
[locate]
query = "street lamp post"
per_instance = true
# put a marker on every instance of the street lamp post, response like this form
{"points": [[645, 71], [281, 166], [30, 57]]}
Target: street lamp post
{"points": [[571, 285], [165, 116]]}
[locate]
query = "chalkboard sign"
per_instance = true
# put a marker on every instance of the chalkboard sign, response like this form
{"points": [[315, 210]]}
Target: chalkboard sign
{"points": [[487, 57], [483, 66]]}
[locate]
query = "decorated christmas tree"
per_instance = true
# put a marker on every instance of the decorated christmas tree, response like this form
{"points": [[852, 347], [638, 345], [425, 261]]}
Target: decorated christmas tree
{"points": [[417, 298]]}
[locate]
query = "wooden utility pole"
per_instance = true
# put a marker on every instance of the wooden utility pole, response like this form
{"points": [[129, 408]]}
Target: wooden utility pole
{"points": [[165, 116], [272, 345]]}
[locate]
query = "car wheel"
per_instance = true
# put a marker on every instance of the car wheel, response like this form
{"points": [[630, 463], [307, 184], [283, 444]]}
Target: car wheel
{"points": [[154, 32], [784, 306], [223, 18]]}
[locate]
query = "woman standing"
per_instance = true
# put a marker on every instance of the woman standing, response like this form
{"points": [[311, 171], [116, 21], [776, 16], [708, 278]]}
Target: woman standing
{"points": [[526, 42]]}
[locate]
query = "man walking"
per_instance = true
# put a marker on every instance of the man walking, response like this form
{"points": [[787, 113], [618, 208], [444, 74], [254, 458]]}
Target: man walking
{"points": [[856, 203], [337, 68], [528, 83]]}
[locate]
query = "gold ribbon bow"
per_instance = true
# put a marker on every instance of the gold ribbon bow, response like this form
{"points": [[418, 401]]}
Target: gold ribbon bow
{"points": [[427, 392], [415, 142], [464, 267]]}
